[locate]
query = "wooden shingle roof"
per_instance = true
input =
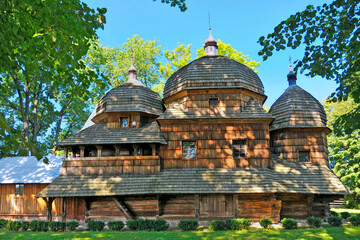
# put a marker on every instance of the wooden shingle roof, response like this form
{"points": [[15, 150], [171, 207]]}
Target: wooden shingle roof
{"points": [[297, 108], [213, 72], [132, 96], [100, 134], [283, 178], [252, 110]]}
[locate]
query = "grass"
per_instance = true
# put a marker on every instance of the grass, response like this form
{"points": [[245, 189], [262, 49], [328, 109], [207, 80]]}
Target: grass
{"points": [[343, 233], [353, 212]]}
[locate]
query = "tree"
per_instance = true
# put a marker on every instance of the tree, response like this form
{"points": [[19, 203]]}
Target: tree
{"points": [[40, 51], [113, 63], [330, 35], [173, 3], [344, 147]]}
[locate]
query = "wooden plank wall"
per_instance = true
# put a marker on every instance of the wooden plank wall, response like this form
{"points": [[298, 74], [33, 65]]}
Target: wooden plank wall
{"points": [[259, 206], [287, 143], [111, 165], [28, 205], [178, 206], [214, 144], [295, 206]]}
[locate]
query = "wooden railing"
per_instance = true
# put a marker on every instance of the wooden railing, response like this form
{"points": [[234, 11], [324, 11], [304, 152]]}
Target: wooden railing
{"points": [[111, 165]]}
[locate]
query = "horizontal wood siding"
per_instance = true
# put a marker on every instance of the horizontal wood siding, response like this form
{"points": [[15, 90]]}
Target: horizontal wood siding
{"points": [[28, 206], [288, 144], [295, 206], [259, 206], [174, 206], [214, 144]]}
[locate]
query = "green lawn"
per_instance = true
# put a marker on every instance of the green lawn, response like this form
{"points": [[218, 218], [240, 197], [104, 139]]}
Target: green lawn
{"points": [[353, 212], [343, 233]]}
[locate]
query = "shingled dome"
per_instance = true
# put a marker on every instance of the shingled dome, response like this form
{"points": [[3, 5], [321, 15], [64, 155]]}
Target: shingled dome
{"points": [[297, 108], [211, 72], [132, 96]]}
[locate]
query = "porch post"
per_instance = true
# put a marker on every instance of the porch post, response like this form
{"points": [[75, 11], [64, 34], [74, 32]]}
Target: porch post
{"points": [[64, 209]]}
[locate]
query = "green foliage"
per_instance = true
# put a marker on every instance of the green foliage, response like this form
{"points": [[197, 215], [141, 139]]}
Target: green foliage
{"points": [[345, 215], [3, 223], [116, 225], [147, 224], [72, 225], [265, 223], [329, 34], [333, 213], [34, 225], [314, 221], [238, 223], [25, 226], [228, 51], [176, 59], [57, 226], [13, 225], [217, 225], [95, 225], [344, 146], [289, 223], [335, 221], [173, 3], [188, 225], [355, 220]]}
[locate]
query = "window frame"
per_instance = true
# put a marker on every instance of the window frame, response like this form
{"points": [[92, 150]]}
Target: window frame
{"points": [[245, 148], [128, 122], [182, 149], [19, 190], [214, 98], [304, 151]]}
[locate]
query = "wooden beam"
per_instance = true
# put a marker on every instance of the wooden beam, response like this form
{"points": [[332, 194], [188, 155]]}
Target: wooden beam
{"points": [[123, 208], [64, 209], [159, 200], [87, 208], [197, 206], [236, 205], [49, 202]]}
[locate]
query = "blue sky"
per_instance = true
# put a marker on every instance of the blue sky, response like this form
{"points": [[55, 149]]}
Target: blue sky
{"points": [[236, 22]]}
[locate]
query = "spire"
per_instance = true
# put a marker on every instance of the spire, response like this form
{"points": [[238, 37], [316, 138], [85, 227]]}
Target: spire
{"points": [[210, 44], [291, 75], [132, 70]]}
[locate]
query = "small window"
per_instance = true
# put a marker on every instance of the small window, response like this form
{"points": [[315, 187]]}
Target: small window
{"points": [[213, 102], [304, 156], [19, 190], [124, 121], [239, 148], [188, 149]]}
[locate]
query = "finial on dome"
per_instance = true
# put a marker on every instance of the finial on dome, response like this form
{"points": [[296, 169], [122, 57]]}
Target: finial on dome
{"points": [[132, 70], [291, 75], [210, 44]]}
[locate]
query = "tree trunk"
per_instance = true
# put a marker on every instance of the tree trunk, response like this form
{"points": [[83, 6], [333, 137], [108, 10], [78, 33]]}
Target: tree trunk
{"points": [[58, 126]]}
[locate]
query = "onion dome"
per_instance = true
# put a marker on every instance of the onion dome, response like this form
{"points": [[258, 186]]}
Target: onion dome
{"points": [[211, 72], [210, 45], [296, 108], [132, 96]]}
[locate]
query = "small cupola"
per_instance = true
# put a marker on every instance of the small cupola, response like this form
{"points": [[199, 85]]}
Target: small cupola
{"points": [[211, 46], [132, 71], [291, 75]]}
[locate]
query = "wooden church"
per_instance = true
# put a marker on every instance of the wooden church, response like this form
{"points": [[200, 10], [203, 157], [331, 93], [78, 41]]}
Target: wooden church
{"points": [[212, 153]]}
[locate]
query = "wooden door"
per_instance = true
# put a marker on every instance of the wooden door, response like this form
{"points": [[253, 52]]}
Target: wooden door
{"points": [[216, 205]]}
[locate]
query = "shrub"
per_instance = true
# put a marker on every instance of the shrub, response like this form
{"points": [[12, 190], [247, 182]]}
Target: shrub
{"points": [[25, 226], [265, 223], [314, 221], [57, 226], [355, 220], [345, 215], [333, 213], [289, 223], [42, 226], [144, 224], [335, 221], [13, 225], [238, 223], [160, 225], [188, 225], [3, 223], [116, 225], [72, 225], [132, 224], [217, 225], [33, 225], [95, 225]]}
